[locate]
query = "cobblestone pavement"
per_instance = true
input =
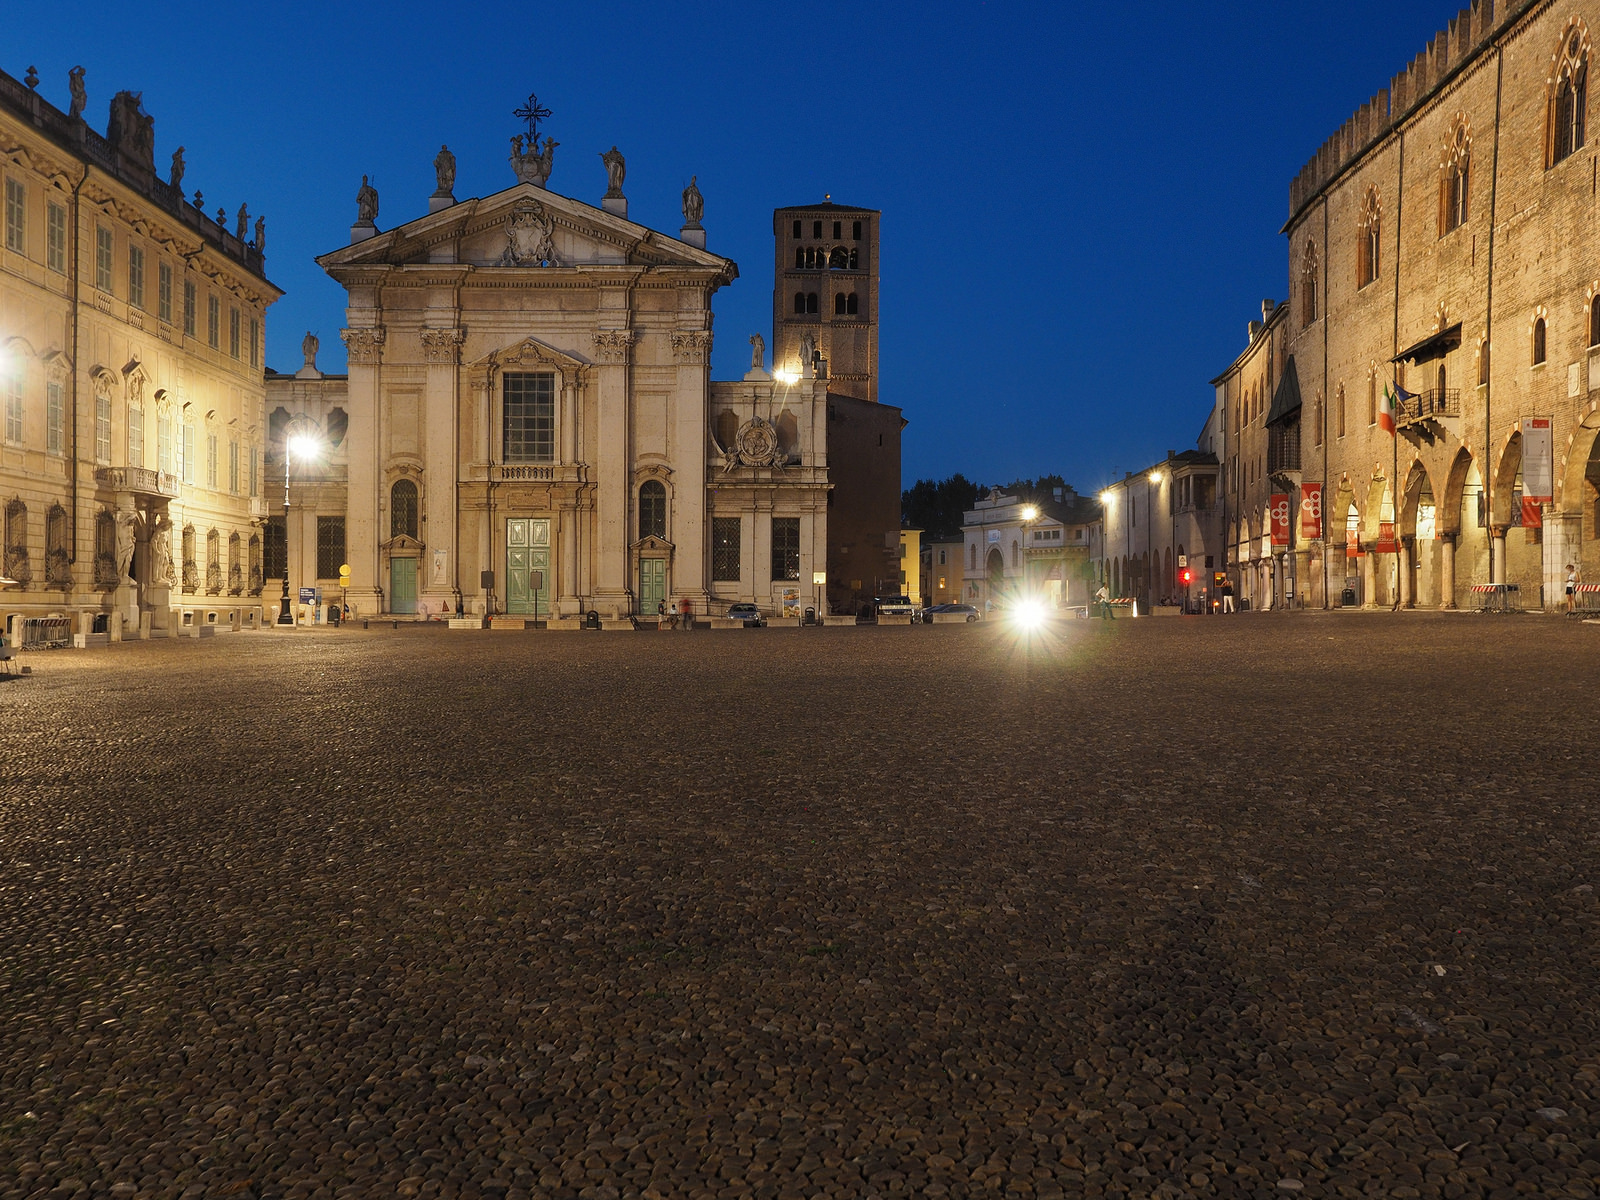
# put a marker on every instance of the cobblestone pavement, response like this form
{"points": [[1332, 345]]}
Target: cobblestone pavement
{"points": [[1261, 906]]}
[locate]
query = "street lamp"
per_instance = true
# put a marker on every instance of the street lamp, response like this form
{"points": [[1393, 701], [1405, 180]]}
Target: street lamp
{"points": [[301, 444]]}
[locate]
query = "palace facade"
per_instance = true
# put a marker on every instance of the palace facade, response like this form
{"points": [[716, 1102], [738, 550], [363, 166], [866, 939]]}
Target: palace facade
{"points": [[131, 344], [1441, 242]]}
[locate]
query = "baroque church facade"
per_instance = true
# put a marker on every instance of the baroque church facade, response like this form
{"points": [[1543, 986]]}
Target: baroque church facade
{"points": [[528, 425]]}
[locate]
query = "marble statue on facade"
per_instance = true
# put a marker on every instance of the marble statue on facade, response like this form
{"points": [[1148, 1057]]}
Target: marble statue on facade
{"points": [[308, 347], [175, 174], [241, 228], [261, 235], [80, 94], [161, 554], [366, 203], [533, 165], [132, 130], [124, 544], [616, 172], [694, 205], [808, 354], [758, 352], [444, 172]]}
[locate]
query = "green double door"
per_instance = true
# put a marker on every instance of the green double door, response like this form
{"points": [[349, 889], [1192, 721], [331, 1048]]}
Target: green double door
{"points": [[652, 585], [402, 585], [528, 566]]}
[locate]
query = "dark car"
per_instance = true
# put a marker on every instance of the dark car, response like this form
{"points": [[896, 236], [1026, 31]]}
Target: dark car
{"points": [[967, 610]]}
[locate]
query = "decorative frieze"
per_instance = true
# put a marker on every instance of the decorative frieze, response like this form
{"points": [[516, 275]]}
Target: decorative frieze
{"points": [[691, 346], [365, 346], [442, 347], [613, 345]]}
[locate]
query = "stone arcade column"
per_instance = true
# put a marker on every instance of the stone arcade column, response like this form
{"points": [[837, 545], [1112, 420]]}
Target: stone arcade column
{"points": [[613, 467], [1497, 554], [1303, 578], [1447, 570], [362, 531], [691, 351], [440, 474], [1561, 546], [1369, 579], [1408, 550]]}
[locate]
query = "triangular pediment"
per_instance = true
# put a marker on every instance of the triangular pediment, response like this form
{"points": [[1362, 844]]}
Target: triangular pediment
{"points": [[402, 543], [503, 232], [530, 352], [653, 545]]}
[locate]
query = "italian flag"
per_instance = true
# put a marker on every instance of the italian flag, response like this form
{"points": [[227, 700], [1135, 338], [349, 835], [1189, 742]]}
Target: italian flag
{"points": [[1388, 411]]}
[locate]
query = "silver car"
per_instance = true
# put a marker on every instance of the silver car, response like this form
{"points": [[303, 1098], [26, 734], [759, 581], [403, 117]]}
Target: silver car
{"points": [[748, 613]]}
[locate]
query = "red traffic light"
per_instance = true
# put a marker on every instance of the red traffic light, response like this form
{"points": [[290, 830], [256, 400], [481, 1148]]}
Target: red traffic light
{"points": [[1187, 576]]}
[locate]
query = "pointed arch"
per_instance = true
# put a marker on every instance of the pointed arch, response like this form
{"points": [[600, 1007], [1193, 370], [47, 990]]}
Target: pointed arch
{"points": [[1369, 238], [1455, 176], [1568, 94], [1308, 283]]}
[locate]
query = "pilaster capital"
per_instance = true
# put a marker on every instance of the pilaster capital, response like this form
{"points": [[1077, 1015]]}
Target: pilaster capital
{"points": [[613, 345], [364, 346], [442, 347], [691, 345]]}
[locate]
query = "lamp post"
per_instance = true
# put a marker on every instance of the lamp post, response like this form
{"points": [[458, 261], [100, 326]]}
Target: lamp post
{"points": [[819, 580], [304, 445], [1029, 514]]}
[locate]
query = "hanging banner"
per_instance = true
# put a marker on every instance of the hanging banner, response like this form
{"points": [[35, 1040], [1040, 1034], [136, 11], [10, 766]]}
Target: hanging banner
{"points": [[1537, 476], [1386, 541], [1310, 511], [1280, 521]]}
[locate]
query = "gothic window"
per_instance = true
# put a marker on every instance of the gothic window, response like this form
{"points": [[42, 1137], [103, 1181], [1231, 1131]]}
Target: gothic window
{"points": [[800, 303], [330, 546], [652, 509], [1308, 284], [1594, 323], [1538, 341], [838, 305], [530, 417], [799, 258], [839, 259], [1369, 226], [1569, 99], [725, 549], [1483, 363], [1455, 176], [1440, 382], [403, 509], [855, 260], [785, 547]]}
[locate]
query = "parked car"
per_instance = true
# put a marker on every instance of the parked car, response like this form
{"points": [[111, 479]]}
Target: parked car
{"points": [[967, 610], [748, 613]]}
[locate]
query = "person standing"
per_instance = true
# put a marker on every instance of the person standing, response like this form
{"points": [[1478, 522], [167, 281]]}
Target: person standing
{"points": [[1227, 595], [1572, 589], [1103, 599], [687, 612]]}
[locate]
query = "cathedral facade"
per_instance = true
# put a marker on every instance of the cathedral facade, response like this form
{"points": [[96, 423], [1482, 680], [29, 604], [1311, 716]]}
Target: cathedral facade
{"points": [[528, 425]]}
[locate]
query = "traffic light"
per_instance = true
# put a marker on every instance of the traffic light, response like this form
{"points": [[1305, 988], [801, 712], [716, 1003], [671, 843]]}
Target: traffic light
{"points": [[1186, 576]]}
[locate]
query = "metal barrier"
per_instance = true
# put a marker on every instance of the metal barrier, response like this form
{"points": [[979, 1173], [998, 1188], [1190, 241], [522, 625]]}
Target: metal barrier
{"points": [[1497, 597], [1586, 599], [46, 633]]}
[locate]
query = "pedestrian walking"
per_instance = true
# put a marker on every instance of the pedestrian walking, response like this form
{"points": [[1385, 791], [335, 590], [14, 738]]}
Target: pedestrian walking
{"points": [[1103, 599], [687, 612], [1573, 575], [1227, 596]]}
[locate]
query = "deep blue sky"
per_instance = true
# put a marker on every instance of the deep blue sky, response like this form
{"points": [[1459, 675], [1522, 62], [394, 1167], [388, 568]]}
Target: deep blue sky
{"points": [[1081, 203]]}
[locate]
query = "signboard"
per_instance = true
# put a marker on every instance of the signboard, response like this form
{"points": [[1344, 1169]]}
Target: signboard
{"points": [[790, 602], [994, 536], [1386, 543], [1280, 521], [1537, 476], [1183, 560], [1310, 511], [309, 595]]}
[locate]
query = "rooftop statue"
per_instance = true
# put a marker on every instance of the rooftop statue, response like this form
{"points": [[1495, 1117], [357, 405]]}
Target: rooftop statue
{"points": [[175, 175], [241, 228], [532, 165], [694, 205], [616, 172], [366, 203], [444, 170], [80, 94]]}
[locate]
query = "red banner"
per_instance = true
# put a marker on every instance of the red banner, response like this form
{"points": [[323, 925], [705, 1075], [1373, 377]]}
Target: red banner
{"points": [[1280, 521], [1310, 511], [1386, 541]]}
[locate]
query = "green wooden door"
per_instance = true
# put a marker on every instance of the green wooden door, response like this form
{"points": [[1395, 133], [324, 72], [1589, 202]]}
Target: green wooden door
{"points": [[402, 585], [528, 566], [652, 585]]}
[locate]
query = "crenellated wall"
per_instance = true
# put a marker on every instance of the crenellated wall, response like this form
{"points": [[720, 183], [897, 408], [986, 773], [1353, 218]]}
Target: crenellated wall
{"points": [[1472, 30]]}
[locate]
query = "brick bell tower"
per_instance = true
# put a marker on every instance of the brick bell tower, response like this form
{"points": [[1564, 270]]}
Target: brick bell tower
{"points": [[825, 283]]}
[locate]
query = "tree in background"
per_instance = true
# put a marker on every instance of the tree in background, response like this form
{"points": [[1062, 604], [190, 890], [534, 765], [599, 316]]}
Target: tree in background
{"points": [[935, 506]]}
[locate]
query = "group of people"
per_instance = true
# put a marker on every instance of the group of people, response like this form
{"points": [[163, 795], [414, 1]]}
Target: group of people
{"points": [[683, 614], [1102, 599]]}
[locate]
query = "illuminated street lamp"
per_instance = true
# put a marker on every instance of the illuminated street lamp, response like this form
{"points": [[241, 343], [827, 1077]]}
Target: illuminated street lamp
{"points": [[303, 444], [1029, 514]]}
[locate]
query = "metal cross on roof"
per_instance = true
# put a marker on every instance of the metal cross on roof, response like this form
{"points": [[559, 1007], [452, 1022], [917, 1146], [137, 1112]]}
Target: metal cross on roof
{"points": [[532, 112]]}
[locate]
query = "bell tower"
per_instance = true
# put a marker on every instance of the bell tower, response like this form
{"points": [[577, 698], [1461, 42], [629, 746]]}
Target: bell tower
{"points": [[825, 285]]}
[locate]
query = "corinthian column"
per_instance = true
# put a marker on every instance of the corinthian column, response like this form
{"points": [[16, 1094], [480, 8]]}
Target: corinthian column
{"points": [[613, 462], [441, 468], [691, 352]]}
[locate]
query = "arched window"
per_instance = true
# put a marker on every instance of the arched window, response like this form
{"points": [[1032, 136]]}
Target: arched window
{"points": [[57, 567], [276, 424], [855, 260], [799, 258], [727, 428], [800, 302], [1341, 410], [811, 302], [652, 509], [16, 548], [1483, 363], [1594, 323], [839, 259], [338, 425], [403, 509], [851, 305], [838, 305], [1569, 97], [1369, 225], [1308, 284], [1455, 177], [191, 573], [1538, 341], [1372, 397]]}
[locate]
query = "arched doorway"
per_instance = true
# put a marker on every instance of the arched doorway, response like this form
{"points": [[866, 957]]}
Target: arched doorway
{"points": [[1417, 530], [996, 565]]}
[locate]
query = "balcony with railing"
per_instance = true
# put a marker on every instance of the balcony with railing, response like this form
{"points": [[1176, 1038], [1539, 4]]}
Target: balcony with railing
{"points": [[1283, 448], [138, 479], [1429, 405]]}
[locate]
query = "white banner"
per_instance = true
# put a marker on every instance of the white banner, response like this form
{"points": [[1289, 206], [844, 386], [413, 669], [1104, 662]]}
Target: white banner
{"points": [[1537, 475]]}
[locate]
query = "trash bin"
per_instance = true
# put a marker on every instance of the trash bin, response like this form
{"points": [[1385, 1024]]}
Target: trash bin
{"points": [[591, 619], [333, 614], [811, 616], [1347, 598], [102, 623]]}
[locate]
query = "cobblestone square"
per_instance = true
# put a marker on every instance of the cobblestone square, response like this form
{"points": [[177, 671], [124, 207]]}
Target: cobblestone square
{"points": [[1261, 906]]}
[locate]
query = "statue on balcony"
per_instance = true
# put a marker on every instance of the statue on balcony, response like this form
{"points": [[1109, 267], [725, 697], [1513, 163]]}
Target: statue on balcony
{"points": [[175, 174], [80, 94]]}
